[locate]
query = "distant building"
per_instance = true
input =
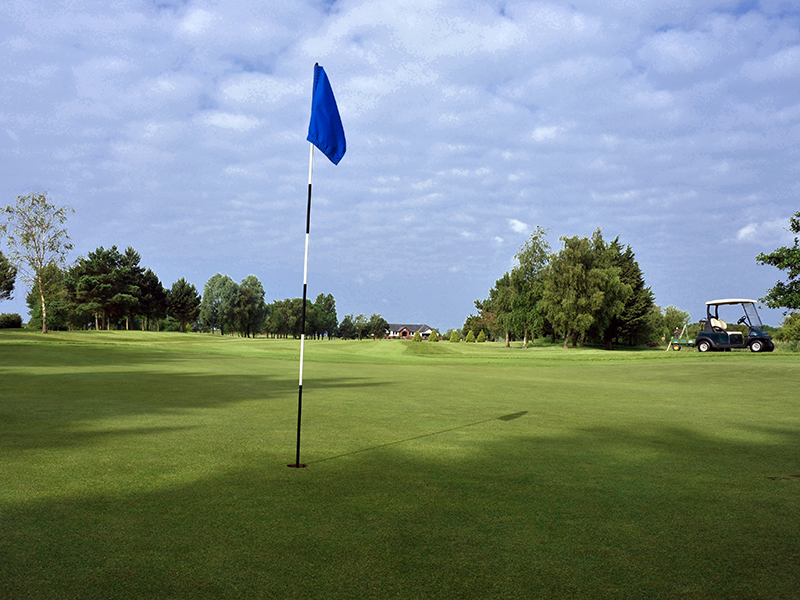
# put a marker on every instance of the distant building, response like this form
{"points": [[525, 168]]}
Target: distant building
{"points": [[399, 331]]}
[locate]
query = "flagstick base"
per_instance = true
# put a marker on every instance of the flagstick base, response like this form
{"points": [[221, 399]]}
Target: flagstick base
{"points": [[297, 466]]}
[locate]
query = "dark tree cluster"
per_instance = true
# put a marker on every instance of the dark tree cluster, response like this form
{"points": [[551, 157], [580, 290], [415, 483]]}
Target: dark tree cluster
{"points": [[590, 290], [230, 308], [109, 289], [360, 327], [233, 307]]}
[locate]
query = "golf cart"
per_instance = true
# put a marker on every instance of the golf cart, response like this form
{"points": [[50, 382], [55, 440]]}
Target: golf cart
{"points": [[715, 334]]}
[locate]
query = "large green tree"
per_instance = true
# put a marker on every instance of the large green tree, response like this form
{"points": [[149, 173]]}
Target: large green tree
{"points": [[250, 310], [499, 307], [61, 311], [114, 287], [787, 258], [512, 307], [633, 325], [378, 326], [280, 320], [130, 278], [217, 308], [152, 298], [361, 323], [183, 302], [583, 288], [347, 328], [37, 239], [527, 280], [325, 315], [107, 283]]}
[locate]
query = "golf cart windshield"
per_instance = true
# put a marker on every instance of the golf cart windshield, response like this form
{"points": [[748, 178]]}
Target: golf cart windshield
{"points": [[752, 314]]}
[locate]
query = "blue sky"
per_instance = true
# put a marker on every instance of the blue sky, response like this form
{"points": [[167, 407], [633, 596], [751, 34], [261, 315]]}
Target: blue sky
{"points": [[179, 128]]}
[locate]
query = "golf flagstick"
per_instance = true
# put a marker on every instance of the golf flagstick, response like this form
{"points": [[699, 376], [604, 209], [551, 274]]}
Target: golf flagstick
{"points": [[325, 131], [297, 464]]}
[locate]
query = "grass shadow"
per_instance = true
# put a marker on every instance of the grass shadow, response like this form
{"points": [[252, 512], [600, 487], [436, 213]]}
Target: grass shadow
{"points": [[522, 517], [53, 410]]}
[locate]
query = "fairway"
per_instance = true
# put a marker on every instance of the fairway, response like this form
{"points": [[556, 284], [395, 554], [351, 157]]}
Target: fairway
{"points": [[154, 465]]}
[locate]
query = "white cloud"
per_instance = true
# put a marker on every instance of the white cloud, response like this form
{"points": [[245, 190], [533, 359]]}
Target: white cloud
{"points": [[518, 226], [197, 21], [768, 233], [541, 134]]}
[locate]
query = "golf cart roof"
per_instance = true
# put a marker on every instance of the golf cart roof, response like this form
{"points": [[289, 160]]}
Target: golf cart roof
{"points": [[730, 301]]}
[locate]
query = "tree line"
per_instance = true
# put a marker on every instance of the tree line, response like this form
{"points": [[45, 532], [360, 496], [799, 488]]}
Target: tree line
{"points": [[591, 290], [111, 289]]}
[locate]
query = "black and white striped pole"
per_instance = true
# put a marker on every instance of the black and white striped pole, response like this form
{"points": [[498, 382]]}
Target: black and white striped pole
{"points": [[297, 464]]}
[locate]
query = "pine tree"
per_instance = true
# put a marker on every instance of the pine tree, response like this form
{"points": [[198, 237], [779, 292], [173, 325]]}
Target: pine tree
{"points": [[183, 302]]}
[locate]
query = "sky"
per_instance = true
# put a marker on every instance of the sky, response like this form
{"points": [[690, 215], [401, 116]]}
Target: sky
{"points": [[179, 128]]}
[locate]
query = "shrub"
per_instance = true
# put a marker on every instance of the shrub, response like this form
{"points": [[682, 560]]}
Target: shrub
{"points": [[470, 337], [454, 337], [417, 337], [481, 336], [10, 321], [434, 336], [171, 324]]}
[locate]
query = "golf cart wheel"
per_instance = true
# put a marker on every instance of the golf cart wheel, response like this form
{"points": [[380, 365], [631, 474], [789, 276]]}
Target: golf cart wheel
{"points": [[757, 346], [676, 347], [703, 346], [769, 346]]}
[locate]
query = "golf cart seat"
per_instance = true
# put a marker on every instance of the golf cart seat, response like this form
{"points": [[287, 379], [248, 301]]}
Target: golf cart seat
{"points": [[719, 325]]}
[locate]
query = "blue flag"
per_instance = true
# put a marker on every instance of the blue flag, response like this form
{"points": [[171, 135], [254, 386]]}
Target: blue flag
{"points": [[325, 130]]}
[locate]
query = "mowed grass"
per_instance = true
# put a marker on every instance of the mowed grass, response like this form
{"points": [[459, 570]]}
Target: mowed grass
{"points": [[136, 465]]}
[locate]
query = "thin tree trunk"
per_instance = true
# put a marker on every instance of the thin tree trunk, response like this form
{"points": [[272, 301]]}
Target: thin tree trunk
{"points": [[508, 339], [44, 308]]}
